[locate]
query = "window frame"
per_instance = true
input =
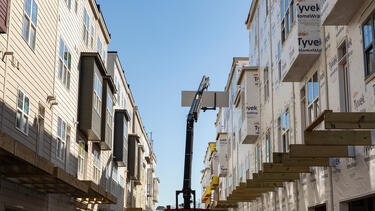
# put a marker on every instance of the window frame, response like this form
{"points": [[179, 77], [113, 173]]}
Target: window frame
{"points": [[266, 84], [109, 111], [287, 15], [61, 139], [285, 131], [86, 27], [81, 157], [66, 71], [96, 165], [257, 158], [97, 97], [69, 5], [368, 74], [315, 102], [268, 146], [31, 41], [24, 127]]}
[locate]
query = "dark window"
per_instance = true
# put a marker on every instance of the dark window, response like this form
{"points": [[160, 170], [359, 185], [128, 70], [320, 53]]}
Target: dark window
{"points": [[321, 208], [367, 204], [4, 14], [368, 46]]}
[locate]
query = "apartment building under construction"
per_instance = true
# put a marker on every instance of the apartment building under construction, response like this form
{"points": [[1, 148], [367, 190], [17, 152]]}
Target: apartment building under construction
{"points": [[71, 136], [297, 134]]}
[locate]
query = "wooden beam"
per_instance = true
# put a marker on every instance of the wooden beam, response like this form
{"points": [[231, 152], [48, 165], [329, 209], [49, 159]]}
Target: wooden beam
{"points": [[263, 184], [277, 157], [278, 177], [303, 151], [241, 199], [280, 168], [340, 138], [318, 120], [307, 162], [350, 120], [253, 190]]}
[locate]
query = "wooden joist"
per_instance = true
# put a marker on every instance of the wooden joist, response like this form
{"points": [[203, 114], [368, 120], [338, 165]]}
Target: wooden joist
{"points": [[350, 120], [303, 151], [263, 184], [280, 168], [340, 138], [318, 120], [278, 177], [307, 162], [253, 190]]}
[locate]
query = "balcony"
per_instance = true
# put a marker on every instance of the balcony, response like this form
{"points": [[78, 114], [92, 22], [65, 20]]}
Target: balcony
{"points": [[223, 156], [302, 43], [339, 12], [133, 156], [92, 71], [120, 150], [247, 100]]}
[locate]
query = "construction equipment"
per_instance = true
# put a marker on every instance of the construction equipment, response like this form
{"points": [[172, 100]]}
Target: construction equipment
{"points": [[192, 117]]}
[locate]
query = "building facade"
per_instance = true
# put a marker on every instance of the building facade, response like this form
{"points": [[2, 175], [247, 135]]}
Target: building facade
{"points": [[279, 143], [67, 114]]}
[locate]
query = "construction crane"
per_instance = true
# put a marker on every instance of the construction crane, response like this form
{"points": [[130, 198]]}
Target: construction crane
{"points": [[192, 117]]}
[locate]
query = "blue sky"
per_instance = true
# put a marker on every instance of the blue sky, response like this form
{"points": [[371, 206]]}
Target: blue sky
{"points": [[167, 46]]}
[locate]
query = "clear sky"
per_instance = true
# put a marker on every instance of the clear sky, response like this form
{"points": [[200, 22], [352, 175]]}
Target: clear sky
{"points": [[167, 46]]}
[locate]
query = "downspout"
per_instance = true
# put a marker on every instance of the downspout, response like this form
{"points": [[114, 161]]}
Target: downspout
{"points": [[330, 174]]}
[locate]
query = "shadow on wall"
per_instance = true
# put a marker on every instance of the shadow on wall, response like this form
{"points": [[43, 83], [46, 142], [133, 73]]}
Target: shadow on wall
{"points": [[24, 196], [113, 187]]}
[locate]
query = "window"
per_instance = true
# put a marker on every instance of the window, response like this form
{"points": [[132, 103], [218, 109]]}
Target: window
{"points": [[97, 94], [68, 3], [30, 19], [81, 157], [257, 158], [266, 84], [92, 36], [86, 27], [22, 116], [268, 147], [122, 182], [285, 132], [97, 166], [287, 17], [125, 129], [100, 47], [344, 77], [368, 45], [114, 173], [313, 98], [76, 6], [65, 64], [109, 110], [303, 111], [61, 139], [107, 171], [365, 204]]}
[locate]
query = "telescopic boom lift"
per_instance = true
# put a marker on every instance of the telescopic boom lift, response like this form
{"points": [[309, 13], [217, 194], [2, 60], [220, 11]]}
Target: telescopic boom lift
{"points": [[192, 117]]}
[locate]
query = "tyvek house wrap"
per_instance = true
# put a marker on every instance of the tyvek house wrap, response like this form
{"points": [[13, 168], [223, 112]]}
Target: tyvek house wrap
{"points": [[304, 37]]}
